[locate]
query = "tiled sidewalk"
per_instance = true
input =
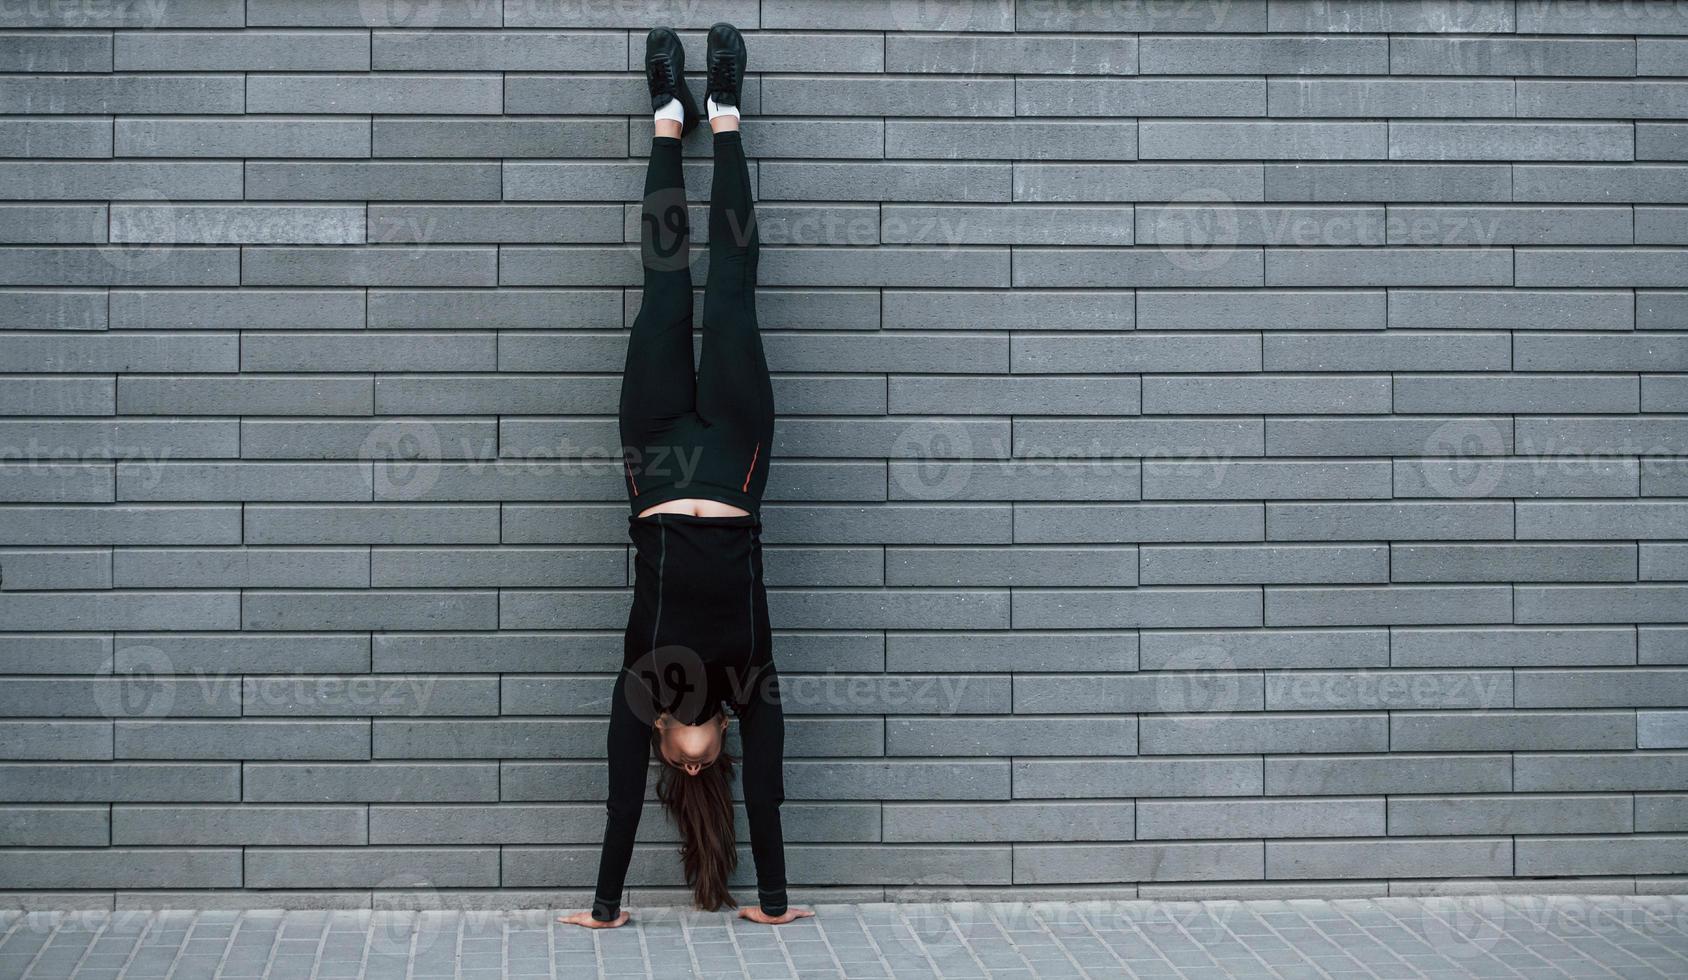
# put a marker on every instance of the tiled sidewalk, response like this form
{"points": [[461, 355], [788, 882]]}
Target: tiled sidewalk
{"points": [[1490, 936]]}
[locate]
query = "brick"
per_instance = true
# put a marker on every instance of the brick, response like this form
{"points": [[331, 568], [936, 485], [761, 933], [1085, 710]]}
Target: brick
{"points": [[1512, 563], [155, 826], [400, 136], [58, 396], [44, 136], [1661, 729], [324, 93], [1013, 396], [1601, 687], [1256, 649], [80, 180], [1020, 225], [1056, 821], [383, 181], [228, 395], [201, 867], [1385, 351], [150, 95], [1581, 520], [1264, 55], [1511, 56], [101, 266], [1389, 267], [1140, 97], [122, 782], [1261, 310], [1420, 436], [1390, 605], [1606, 99], [797, 95], [370, 266], [248, 50], [1221, 819], [1142, 778], [244, 739], [1249, 733], [1661, 141], [1019, 737], [394, 609], [1161, 607], [1078, 863], [43, 740], [118, 610], [1647, 183], [1391, 97], [1391, 182], [1518, 814], [1475, 858], [1510, 309], [1241, 395], [1577, 855], [1392, 774], [1139, 267], [1180, 140], [1511, 141], [1214, 184], [231, 481], [1374, 16], [55, 826], [1018, 566], [1118, 524], [1264, 479], [799, 181], [1020, 309], [1255, 564], [1009, 54], [1534, 393], [56, 53], [240, 652], [1218, 226], [243, 568], [280, 137], [1023, 651], [1432, 731], [237, 224], [45, 570]]}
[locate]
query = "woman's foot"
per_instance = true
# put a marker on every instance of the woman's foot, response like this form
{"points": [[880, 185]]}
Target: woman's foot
{"points": [[726, 59], [665, 74]]}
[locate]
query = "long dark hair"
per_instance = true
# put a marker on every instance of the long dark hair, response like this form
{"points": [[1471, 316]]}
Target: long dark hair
{"points": [[702, 807]]}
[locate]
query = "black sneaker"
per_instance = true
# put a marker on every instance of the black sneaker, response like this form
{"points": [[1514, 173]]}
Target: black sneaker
{"points": [[726, 64], [665, 73]]}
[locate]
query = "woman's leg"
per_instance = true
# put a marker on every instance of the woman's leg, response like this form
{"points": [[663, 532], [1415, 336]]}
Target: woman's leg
{"points": [[734, 391], [657, 382]]}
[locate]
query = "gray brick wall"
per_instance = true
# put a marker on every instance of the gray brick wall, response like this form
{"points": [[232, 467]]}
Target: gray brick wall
{"points": [[1227, 448]]}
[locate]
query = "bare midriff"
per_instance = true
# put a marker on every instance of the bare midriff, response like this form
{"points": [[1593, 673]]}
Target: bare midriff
{"points": [[695, 507]]}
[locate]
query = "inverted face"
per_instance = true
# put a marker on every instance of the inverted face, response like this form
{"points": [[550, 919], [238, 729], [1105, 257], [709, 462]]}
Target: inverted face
{"points": [[691, 748]]}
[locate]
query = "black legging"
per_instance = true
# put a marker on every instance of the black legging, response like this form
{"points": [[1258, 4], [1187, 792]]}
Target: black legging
{"points": [[705, 435]]}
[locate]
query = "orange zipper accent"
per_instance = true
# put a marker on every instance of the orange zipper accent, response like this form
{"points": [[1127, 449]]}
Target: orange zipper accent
{"points": [[630, 478], [753, 454]]}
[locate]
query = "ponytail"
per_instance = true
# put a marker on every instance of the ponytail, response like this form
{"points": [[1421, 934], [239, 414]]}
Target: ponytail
{"points": [[701, 806]]}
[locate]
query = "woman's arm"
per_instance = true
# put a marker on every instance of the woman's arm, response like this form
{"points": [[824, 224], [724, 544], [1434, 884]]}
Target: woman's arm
{"points": [[629, 757], [762, 738]]}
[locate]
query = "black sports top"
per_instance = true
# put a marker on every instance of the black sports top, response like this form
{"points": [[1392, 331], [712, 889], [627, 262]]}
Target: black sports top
{"points": [[698, 641]]}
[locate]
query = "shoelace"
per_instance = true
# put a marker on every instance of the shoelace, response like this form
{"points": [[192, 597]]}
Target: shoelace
{"points": [[662, 75], [723, 75]]}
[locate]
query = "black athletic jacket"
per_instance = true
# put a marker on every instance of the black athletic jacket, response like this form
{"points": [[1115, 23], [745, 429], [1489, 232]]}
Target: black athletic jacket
{"points": [[697, 642]]}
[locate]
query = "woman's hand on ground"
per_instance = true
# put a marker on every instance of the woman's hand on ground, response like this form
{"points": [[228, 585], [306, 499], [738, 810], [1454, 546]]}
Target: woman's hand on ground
{"points": [[755, 914], [585, 919]]}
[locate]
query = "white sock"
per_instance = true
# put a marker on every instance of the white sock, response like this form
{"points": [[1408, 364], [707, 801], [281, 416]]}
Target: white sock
{"points": [[720, 110], [672, 110]]}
